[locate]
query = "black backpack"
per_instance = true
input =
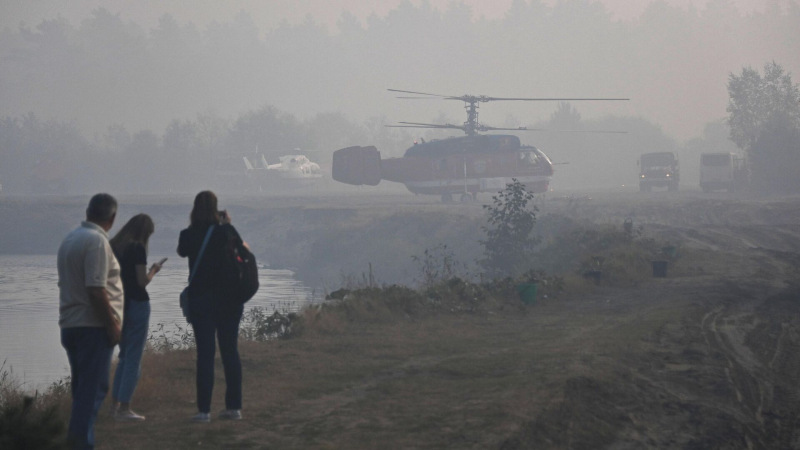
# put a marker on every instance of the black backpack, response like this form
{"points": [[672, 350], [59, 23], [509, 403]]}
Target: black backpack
{"points": [[241, 271]]}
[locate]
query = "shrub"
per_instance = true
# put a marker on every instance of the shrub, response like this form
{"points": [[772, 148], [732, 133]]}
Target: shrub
{"points": [[509, 246], [32, 422], [436, 265], [259, 326], [165, 338], [24, 426], [622, 257]]}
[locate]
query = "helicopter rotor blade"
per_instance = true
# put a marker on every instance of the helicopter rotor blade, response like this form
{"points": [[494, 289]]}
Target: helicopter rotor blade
{"points": [[417, 126], [484, 98], [472, 126], [589, 131], [488, 128], [549, 99], [461, 99], [447, 125], [427, 125], [420, 123], [419, 93], [421, 98]]}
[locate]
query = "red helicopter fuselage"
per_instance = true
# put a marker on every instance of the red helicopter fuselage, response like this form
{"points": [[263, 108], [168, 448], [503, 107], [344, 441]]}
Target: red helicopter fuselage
{"points": [[468, 164]]}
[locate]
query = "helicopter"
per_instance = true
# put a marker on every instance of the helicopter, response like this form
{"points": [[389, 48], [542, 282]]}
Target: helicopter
{"points": [[463, 165], [292, 171], [290, 167]]}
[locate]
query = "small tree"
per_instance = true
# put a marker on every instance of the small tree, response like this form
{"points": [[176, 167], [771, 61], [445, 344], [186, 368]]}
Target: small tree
{"points": [[509, 245], [755, 101]]}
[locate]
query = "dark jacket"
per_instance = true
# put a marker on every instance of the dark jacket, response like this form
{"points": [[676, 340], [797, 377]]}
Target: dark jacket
{"points": [[207, 288]]}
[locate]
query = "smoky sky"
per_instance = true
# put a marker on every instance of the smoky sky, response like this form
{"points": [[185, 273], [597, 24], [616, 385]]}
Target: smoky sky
{"points": [[672, 58], [270, 13]]}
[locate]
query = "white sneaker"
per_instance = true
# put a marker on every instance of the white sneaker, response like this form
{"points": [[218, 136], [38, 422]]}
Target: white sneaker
{"points": [[201, 418], [127, 416], [231, 414]]}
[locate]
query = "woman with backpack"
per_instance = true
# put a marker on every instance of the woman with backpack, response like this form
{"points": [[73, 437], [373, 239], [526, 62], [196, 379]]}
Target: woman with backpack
{"points": [[210, 307], [130, 248]]}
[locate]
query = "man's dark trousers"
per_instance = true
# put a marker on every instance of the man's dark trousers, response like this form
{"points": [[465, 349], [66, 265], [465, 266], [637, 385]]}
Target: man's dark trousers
{"points": [[89, 352]]}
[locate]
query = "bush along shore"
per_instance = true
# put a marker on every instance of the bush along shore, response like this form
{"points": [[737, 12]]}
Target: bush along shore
{"points": [[367, 336]]}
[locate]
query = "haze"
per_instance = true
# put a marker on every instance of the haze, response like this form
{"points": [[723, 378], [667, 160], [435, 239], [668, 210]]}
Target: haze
{"points": [[671, 61], [568, 274], [270, 13], [109, 70]]}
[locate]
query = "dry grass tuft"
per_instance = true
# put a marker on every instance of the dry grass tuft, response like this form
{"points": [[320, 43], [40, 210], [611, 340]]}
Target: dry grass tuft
{"points": [[32, 419]]}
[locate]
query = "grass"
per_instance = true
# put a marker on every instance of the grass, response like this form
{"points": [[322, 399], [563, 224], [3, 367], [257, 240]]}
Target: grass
{"points": [[380, 368], [454, 363], [578, 371], [325, 388], [32, 420]]}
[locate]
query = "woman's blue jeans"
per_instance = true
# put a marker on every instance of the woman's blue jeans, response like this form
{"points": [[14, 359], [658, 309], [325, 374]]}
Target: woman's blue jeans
{"points": [[135, 326]]}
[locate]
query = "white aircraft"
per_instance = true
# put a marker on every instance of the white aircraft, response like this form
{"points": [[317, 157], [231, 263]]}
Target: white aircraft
{"points": [[290, 168]]}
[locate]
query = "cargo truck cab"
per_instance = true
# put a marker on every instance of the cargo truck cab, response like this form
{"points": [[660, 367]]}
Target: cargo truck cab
{"points": [[659, 169]]}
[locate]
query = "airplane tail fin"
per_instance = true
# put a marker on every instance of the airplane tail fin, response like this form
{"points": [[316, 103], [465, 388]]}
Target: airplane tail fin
{"points": [[357, 166], [247, 163]]}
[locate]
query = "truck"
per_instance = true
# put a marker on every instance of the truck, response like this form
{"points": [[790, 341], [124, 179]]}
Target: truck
{"points": [[722, 171], [659, 169]]}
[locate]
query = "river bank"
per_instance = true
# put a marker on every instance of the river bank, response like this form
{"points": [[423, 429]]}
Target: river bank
{"points": [[327, 239]]}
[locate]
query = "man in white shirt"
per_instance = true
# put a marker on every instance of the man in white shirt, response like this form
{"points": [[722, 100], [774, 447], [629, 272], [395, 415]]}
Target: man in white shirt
{"points": [[90, 313]]}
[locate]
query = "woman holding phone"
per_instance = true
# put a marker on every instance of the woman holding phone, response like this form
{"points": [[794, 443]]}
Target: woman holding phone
{"points": [[211, 311], [130, 248]]}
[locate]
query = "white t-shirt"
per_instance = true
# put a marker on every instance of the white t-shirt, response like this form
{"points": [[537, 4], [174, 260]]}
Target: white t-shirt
{"points": [[85, 259]]}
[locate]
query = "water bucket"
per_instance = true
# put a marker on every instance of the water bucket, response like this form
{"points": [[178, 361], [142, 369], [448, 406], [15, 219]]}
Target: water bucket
{"points": [[670, 251], [527, 292], [660, 269]]}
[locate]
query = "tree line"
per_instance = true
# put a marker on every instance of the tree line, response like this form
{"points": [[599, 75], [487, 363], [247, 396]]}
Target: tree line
{"points": [[765, 123], [50, 156]]}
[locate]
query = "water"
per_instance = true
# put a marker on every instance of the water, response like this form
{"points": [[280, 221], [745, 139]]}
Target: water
{"points": [[30, 341]]}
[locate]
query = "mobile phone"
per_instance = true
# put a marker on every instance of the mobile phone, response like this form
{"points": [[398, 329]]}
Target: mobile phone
{"points": [[161, 263]]}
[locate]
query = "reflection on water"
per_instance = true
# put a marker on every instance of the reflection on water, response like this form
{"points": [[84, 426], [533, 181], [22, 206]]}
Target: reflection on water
{"points": [[29, 332]]}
